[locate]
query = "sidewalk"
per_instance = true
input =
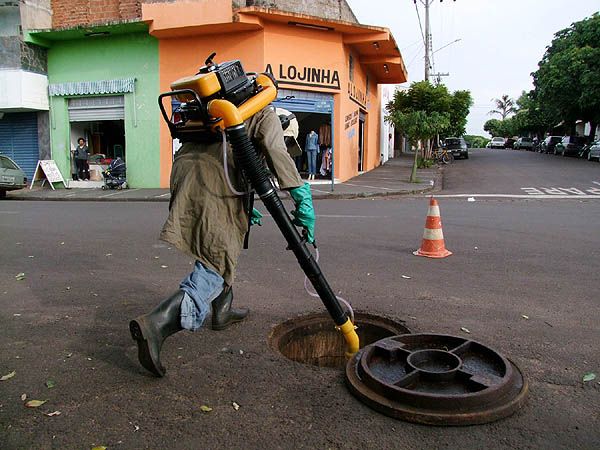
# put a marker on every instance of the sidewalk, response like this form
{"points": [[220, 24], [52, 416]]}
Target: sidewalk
{"points": [[388, 179]]}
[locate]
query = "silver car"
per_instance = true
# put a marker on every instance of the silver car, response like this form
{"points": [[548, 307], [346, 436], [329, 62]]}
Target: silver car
{"points": [[594, 152], [11, 176]]}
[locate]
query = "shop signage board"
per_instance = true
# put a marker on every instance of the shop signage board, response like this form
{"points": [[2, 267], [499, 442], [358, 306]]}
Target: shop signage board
{"points": [[304, 75], [46, 170]]}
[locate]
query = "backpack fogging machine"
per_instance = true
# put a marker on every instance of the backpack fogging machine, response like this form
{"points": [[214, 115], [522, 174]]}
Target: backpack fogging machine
{"points": [[222, 96]]}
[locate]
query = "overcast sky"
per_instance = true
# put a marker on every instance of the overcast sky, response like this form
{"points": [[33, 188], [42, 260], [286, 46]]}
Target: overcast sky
{"points": [[501, 41]]}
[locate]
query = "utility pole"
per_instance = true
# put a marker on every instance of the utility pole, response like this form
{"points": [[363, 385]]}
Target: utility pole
{"points": [[427, 37]]}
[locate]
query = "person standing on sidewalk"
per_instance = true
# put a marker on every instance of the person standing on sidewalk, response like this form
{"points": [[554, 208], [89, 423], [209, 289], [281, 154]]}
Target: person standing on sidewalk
{"points": [[82, 155], [208, 222]]}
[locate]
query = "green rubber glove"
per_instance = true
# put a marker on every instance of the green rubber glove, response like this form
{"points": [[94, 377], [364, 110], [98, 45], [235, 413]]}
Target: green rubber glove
{"points": [[255, 217], [304, 214]]}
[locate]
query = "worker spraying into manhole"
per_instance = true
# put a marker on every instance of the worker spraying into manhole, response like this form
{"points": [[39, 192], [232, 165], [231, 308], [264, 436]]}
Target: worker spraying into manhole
{"points": [[211, 208]]}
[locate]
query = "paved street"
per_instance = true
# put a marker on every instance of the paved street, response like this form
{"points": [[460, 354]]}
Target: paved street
{"points": [[91, 266]]}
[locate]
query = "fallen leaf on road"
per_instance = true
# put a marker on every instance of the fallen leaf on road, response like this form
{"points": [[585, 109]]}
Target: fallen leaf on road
{"points": [[68, 288], [52, 414], [69, 355], [23, 397], [406, 277], [31, 256], [99, 447], [205, 408], [8, 376], [235, 406], [156, 257], [35, 403], [20, 276], [136, 428], [412, 317], [108, 254], [62, 243], [50, 384], [163, 266], [17, 315], [524, 316], [464, 329], [590, 376]]}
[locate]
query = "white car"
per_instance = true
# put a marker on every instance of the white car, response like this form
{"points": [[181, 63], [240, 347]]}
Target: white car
{"points": [[497, 142]]}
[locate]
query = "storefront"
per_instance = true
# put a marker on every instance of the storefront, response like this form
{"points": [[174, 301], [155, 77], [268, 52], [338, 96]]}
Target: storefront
{"points": [[327, 71], [104, 82], [103, 85]]}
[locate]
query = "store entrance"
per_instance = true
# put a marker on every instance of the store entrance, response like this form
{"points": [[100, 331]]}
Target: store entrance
{"points": [[319, 123], [361, 141], [105, 140]]}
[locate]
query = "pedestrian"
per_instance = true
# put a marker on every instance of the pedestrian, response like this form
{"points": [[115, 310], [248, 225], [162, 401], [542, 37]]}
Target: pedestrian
{"points": [[82, 155], [208, 222]]}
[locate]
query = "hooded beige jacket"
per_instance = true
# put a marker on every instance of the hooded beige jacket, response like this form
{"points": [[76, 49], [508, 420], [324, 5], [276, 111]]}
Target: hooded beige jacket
{"points": [[206, 220]]}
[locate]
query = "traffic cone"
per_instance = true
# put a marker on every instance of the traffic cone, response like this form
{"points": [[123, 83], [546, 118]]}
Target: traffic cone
{"points": [[433, 237]]}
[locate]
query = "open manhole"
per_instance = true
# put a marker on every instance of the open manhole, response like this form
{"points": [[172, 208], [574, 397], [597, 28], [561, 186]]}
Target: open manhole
{"points": [[436, 379], [313, 339]]}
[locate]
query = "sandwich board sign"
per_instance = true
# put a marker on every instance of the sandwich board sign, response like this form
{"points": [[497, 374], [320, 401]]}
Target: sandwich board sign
{"points": [[47, 170]]}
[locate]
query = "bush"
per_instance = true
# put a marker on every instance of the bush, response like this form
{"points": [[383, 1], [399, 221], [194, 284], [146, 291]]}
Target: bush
{"points": [[423, 163]]}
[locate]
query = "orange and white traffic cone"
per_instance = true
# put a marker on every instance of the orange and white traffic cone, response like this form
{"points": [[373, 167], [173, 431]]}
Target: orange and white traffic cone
{"points": [[433, 238]]}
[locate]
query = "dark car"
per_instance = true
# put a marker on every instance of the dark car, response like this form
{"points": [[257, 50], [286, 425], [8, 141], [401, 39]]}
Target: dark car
{"points": [[11, 176], [509, 143], [569, 146], [549, 143], [457, 146]]}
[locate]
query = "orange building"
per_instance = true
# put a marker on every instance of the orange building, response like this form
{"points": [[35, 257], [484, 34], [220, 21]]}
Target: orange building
{"points": [[327, 70]]}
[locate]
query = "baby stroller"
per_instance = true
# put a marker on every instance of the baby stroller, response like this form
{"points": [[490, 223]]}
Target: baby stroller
{"points": [[115, 175]]}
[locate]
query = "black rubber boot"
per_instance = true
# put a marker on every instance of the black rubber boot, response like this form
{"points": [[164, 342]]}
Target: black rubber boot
{"points": [[151, 330], [223, 314]]}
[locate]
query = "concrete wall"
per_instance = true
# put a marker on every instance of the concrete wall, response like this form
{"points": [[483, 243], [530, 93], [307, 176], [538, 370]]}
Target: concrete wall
{"points": [[327, 9], [113, 57]]}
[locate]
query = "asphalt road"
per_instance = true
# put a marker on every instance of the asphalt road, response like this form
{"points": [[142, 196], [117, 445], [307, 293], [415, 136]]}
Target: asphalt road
{"points": [[90, 267]]}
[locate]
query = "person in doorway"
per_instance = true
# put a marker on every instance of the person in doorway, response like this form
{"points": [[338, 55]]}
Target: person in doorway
{"points": [[82, 155], [311, 147], [208, 222]]}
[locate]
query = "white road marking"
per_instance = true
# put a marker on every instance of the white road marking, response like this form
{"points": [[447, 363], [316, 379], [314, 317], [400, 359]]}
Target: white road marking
{"points": [[162, 195], [370, 187], [540, 196], [596, 182]]}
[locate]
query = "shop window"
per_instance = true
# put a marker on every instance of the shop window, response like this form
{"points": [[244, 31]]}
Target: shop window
{"points": [[351, 68]]}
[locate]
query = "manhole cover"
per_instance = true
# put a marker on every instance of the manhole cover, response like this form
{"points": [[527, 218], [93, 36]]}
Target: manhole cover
{"points": [[436, 379], [313, 339]]}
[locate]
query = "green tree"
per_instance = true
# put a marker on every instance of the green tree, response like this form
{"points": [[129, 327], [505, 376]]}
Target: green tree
{"points": [[504, 106], [425, 110], [494, 127], [568, 77]]}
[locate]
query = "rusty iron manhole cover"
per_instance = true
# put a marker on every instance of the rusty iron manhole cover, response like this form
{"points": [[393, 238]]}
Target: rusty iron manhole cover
{"points": [[436, 379], [313, 338]]}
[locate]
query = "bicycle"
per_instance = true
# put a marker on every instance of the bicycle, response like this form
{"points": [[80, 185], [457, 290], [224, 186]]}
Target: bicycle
{"points": [[442, 155]]}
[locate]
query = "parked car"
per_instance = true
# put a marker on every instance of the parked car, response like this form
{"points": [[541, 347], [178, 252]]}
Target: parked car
{"points": [[457, 146], [509, 143], [549, 143], [11, 176], [523, 143], [497, 142], [594, 152], [569, 146]]}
